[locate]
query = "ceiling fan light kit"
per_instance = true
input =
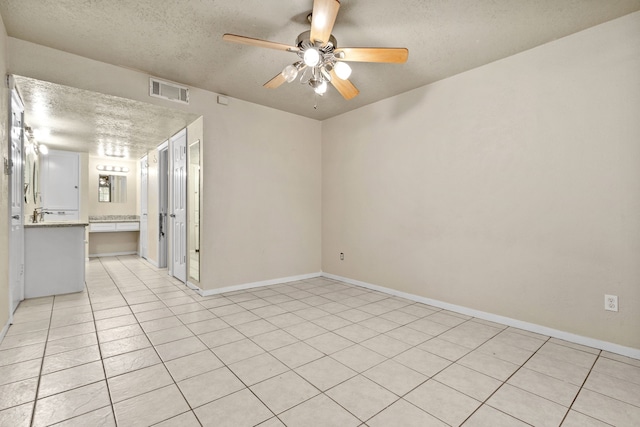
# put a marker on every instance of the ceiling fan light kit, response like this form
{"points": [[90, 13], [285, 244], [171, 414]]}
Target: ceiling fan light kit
{"points": [[321, 61]]}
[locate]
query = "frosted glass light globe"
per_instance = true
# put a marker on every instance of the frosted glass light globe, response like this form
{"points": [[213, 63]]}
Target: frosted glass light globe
{"points": [[342, 70], [311, 57]]}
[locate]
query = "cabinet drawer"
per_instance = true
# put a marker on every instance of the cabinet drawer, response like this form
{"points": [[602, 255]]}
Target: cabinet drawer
{"points": [[127, 226], [97, 227]]}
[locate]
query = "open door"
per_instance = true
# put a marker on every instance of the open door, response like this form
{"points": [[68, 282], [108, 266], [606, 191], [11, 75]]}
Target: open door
{"points": [[178, 147], [163, 203], [16, 199]]}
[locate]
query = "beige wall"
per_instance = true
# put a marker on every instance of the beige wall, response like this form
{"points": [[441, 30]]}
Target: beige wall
{"points": [[4, 188], [113, 243], [261, 214], [512, 189]]}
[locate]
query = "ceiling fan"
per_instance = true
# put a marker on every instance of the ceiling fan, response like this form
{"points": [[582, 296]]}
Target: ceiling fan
{"points": [[321, 61]]}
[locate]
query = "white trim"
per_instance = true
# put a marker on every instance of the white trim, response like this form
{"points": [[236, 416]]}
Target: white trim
{"points": [[209, 292], [113, 254], [531, 327], [195, 287], [4, 330]]}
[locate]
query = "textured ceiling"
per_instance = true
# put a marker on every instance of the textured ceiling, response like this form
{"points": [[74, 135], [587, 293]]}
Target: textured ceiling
{"points": [[182, 40], [79, 120]]}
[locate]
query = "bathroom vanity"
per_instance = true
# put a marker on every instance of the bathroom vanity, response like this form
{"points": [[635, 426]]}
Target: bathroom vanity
{"points": [[54, 258]]}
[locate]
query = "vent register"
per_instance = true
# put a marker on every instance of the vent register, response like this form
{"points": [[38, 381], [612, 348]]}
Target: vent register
{"points": [[170, 91]]}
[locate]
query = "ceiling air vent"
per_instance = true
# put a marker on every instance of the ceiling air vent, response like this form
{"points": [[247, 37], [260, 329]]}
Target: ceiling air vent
{"points": [[170, 91]]}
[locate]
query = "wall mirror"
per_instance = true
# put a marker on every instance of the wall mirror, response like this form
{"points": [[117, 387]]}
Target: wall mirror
{"points": [[193, 209], [112, 188]]}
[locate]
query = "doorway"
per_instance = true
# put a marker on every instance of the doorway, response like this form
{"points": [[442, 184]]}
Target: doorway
{"points": [[163, 202]]}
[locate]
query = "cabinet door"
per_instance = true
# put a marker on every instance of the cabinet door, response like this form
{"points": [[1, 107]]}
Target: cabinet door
{"points": [[60, 181]]}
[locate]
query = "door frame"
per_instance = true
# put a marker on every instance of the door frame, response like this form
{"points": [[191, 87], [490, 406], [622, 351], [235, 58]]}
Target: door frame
{"points": [[163, 203], [143, 246], [173, 240]]}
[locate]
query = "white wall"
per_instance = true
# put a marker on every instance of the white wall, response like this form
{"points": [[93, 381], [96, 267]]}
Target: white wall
{"points": [[261, 184], [512, 189]]}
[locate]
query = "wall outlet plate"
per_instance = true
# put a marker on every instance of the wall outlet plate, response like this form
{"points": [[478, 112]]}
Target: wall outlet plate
{"points": [[611, 302]]}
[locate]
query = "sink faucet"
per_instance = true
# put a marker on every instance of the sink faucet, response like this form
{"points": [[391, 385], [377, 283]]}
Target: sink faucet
{"points": [[38, 214]]}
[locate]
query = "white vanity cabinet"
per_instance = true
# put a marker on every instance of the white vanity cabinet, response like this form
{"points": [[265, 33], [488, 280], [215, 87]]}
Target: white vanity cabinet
{"points": [[60, 185]]}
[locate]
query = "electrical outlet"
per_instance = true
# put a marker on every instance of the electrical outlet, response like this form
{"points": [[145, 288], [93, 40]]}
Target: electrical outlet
{"points": [[611, 302], [341, 256]]}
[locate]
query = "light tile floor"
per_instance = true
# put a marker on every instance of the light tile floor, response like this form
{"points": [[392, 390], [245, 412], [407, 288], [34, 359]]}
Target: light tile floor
{"points": [[138, 348]]}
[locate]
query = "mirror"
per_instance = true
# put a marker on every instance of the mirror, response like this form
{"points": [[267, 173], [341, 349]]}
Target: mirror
{"points": [[193, 209], [112, 188]]}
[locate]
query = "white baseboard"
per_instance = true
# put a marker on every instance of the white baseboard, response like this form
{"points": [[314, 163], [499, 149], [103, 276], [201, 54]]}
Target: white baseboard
{"points": [[113, 254], [209, 292], [531, 327]]}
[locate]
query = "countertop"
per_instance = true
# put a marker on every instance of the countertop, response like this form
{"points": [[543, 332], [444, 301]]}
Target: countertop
{"points": [[114, 218], [53, 224]]}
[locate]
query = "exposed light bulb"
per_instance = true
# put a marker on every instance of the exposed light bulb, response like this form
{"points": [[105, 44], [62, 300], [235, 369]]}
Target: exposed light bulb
{"points": [[342, 70], [290, 73], [321, 88], [311, 57], [43, 149]]}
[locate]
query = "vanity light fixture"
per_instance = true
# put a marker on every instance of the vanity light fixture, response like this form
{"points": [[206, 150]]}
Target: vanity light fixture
{"points": [[111, 168]]}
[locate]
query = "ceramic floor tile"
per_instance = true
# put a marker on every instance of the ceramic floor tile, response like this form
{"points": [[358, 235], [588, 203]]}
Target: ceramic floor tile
{"points": [[297, 354], [68, 379], [606, 409], [617, 388], [20, 371], [429, 327], [409, 335], [179, 348], [138, 382], [207, 387], [114, 322], [325, 373], [488, 416], [193, 364], [20, 340], [257, 327], [358, 358], [111, 312], [119, 333], [160, 324], [26, 327], [557, 391], [124, 345], [443, 402], [221, 337], [21, 354], [284, 391], [621, 370], [517, 339], [506, 352], [241, 409], [443, 348], [70, 404], [258, 368], [323, 411], [410, 415], [237, 351], [102, 417], [306, 330], [558, 369], [329, 343], [70, 359], [576, 419], [489, 365], [331, 322], [468, 381], [168, 335], [356, 332], [17, 416], [362, 397], [385, 345], [187, 419], [419, 360], [128, 362], [274, 340], [395, 377], [198, 316], [17, 393], [566, 354], [206, 326], [71, 330], [527, 407], [150, 408]]}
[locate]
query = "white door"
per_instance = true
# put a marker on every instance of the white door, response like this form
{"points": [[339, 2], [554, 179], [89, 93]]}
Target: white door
{"points": [[60, 185], [178, 146], [144, 217], [16, 238], [163, 202]]}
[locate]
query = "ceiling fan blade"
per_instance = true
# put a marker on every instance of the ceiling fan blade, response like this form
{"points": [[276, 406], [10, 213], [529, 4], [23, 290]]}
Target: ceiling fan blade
{"points": [[275, 82], [396, 55], [323, 17], [345, 87], [259, 43]]}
